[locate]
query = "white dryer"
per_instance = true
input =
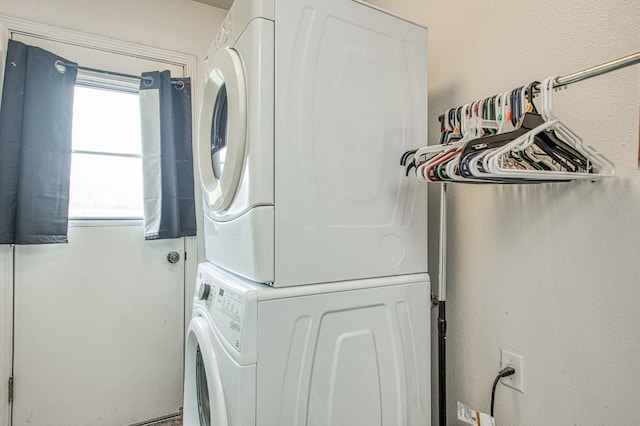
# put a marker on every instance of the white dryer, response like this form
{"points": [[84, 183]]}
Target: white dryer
{"points": [[349, 354], [307, 107]]}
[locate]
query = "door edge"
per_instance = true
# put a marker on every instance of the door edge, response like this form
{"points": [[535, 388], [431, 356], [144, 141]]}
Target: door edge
{"points": [[6, 329]]}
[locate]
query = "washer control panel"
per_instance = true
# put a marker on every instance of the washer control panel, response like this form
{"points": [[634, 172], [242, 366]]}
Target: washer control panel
{"points": [[228, 314], [225, 305]]}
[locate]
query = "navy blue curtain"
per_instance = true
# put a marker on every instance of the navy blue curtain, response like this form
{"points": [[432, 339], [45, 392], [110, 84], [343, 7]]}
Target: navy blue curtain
{"points": [[167, 157], [35, 146]]}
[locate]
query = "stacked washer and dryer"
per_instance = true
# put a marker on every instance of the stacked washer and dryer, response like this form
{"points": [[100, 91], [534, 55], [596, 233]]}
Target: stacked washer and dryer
{"points": [[313, 307]]}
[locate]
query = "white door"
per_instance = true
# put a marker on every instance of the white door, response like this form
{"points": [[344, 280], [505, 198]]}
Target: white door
{"points": [[98, 329], [98, 322]]}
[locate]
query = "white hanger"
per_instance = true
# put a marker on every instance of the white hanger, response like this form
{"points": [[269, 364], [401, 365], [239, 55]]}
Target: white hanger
{"points": [[495, 161]]}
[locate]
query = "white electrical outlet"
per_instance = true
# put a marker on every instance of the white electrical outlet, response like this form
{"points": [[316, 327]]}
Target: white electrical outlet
{"points": [[509, 359]]}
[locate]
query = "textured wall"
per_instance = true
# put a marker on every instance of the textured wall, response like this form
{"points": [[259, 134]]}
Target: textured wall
{"points": [[179, 25], [550, 272]]}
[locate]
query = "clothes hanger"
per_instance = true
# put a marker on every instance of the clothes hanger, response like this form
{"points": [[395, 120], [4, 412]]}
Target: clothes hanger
{"points": [[416, 157], [474, 127], [527, 160], [450, 137], [482, 117], [572, 149], [525, 122], [522, 160], [476, 168]]}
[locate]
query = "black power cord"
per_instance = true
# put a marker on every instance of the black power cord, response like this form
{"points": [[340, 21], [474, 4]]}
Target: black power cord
{"points": [[505, 372]]}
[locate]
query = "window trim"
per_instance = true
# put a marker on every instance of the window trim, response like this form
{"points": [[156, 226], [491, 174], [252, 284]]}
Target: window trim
{"points": [[105, 222]]}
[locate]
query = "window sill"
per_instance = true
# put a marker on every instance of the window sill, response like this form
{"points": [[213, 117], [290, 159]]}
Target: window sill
{"points": [[105, 222]]}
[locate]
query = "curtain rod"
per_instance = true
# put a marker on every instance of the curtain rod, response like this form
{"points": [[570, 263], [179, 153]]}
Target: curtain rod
{"points": [[148, 79], [586, 73]]}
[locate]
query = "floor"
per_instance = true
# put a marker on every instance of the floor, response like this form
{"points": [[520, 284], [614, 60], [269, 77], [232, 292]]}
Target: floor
{"points": [[175, 421], [169, 423]]}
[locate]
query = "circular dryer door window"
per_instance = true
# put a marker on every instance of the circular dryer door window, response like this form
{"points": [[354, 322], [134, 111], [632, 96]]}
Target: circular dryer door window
{"points": [[223, 129], [219, 132]]}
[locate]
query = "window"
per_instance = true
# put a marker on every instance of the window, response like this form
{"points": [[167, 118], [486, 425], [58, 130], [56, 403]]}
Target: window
{"points": [[106, 164]]}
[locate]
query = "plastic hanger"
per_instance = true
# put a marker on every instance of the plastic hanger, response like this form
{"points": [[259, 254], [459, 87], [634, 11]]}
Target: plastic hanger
{"points": [[526, 160], [597, 165], [450, 137]]}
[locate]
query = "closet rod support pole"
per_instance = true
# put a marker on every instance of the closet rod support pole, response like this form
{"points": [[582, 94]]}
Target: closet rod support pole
{"points": [[442, 279], [616, 64], [442, 316]]}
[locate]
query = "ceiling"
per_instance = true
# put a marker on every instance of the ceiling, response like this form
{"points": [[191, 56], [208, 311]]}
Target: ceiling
{"points": [[222, 4]]}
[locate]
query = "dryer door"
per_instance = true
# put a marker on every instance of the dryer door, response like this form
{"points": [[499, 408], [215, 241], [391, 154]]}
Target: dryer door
{"points": [[204, 402], [223, 128]]}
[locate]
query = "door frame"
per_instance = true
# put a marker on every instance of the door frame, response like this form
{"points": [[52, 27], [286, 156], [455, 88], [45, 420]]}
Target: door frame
{"points": [[8, 27], [6, 329], [6, 292]]}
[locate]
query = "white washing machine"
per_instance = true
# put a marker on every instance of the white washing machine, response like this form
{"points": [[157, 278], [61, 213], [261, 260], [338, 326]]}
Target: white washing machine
{"points": [[307, 106], [348, 354]]}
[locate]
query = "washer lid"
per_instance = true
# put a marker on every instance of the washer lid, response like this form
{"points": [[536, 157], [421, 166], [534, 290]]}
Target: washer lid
{"points": [[203, 394], [223, 129]]}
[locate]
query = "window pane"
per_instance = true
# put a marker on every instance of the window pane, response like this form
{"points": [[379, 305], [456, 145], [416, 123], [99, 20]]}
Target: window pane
{"points": [[104, 186], [106, 121]]}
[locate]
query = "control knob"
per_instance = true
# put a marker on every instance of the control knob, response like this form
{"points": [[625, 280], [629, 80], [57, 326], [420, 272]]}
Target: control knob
{"points": [[204, 291]]}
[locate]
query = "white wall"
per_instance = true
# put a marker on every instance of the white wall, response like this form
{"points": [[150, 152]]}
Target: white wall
{"points": [[183, 26], [552, 271]]}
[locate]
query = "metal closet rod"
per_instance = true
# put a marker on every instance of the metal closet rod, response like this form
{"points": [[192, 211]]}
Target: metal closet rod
{"points": [[586, 73], [113, 73], [616, 64]]}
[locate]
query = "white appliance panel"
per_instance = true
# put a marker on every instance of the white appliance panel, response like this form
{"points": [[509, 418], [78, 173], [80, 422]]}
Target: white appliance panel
{"points": [[244, 245], [346, 358], [350, 96], [348, 378]]}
